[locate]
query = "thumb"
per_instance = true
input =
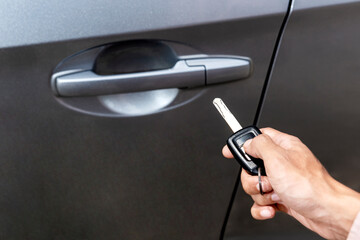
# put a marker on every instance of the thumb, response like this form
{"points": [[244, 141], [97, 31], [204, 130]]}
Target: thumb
{"points": [[265, 148]]}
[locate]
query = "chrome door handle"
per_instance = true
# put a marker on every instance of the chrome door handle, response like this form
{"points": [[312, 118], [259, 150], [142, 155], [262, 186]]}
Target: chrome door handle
{"points": [[186, 73]]}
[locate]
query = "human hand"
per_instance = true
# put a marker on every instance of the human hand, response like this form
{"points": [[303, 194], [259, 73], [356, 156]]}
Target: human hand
{"points": [[298, 184]]}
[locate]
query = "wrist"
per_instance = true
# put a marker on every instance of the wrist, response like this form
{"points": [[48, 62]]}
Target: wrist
{"points": [[341, 205]]}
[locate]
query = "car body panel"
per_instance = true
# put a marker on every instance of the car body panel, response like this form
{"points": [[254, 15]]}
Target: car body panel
{"points": [[71, 175], [48, 21]]}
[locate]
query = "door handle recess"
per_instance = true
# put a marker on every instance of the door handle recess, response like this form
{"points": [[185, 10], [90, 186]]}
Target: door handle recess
{"points": [[186, 73]]}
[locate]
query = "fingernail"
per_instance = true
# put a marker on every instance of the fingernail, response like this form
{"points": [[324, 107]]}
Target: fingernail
{"points": [[275, 197], [247, 143], [265, 213], [257, 187]]}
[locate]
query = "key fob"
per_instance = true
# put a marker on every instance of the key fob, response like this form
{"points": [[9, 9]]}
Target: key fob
{"points": [[235, 143]]}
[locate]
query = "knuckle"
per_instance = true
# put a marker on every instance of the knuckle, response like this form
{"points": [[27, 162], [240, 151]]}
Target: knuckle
{"points": [[292, 142], [296, 139], [268, 129], [288, 144]]}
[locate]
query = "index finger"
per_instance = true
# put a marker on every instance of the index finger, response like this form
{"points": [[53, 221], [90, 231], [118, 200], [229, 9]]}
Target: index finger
{"points": [[226, 152]]}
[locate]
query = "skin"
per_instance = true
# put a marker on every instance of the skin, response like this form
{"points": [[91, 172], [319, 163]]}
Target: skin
{"points": [[298, 184]]}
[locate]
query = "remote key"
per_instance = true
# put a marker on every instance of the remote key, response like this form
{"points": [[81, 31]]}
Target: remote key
{"points": [[236, 141]]}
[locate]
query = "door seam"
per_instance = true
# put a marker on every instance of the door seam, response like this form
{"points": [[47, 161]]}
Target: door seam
{"points": [[260, 105], [272, 63]]}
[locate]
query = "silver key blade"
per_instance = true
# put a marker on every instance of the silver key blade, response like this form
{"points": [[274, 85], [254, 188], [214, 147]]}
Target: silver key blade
{"points": [[227, 115]]}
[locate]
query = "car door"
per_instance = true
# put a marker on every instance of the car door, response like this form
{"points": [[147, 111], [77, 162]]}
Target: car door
{"points": [[86, 167]]}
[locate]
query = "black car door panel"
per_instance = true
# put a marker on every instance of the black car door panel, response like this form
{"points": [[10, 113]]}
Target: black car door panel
{"points": [[68, 174]]}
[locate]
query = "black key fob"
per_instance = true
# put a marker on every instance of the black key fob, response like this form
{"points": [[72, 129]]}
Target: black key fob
{"points": [[235, 143]]}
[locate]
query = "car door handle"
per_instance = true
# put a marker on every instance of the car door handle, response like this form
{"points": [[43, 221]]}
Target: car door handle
{"points": [[186, 73]]}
